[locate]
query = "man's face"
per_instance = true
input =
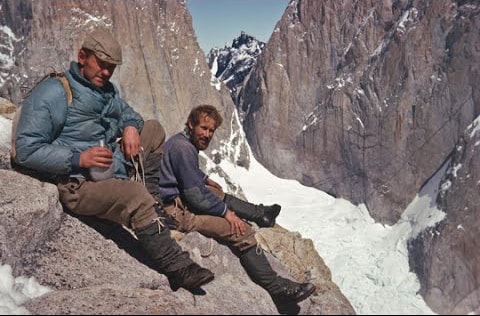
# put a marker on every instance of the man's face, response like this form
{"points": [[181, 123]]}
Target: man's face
{"points": [[94, 69], [202, 134]]}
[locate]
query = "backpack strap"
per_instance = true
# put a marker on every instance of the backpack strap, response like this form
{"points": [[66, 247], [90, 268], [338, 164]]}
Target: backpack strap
{"points": [[64, 81]]}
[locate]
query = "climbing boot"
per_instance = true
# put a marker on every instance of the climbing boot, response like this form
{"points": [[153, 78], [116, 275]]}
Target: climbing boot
{"points": [[175, 263], [263, 216], [190, 277], [287, 291], [270, 213], [282, 291]]}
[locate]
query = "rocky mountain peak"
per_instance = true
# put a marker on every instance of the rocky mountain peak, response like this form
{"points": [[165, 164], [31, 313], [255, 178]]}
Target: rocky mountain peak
{"points": [[232, 64]]}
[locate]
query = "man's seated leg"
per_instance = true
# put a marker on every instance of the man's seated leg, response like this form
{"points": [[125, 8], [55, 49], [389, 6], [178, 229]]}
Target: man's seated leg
{"points": [[263, 216], [172, 260], [152, 137], [252, 257], [129, 203], [281, 290]]}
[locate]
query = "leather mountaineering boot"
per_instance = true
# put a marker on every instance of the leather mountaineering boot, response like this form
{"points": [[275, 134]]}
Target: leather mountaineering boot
{"points": [[263, 216], [282, 291], [270, 213], [190, 277], [175, 263], [286, 291]]}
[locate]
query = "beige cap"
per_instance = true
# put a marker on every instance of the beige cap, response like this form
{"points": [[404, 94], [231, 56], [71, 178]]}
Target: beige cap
{"points": [[105, 47]]}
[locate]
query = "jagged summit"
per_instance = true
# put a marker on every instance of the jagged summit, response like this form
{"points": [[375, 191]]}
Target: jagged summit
{"points": [[232, 64]]}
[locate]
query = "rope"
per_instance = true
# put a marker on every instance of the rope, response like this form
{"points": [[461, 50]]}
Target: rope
{"points": [[258, 250], [160, 224], [139, 175]]}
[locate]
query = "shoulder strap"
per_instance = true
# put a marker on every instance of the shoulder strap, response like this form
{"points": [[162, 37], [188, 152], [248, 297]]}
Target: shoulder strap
{"points": [[63, 79]]}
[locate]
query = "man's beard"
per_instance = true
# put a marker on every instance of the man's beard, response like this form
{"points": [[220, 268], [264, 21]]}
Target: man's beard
{"points": [[202, 144]]}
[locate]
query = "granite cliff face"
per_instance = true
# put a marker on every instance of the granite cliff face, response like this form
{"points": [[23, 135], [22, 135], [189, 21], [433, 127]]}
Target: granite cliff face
{"points": [[365, 99], [446, 257]]}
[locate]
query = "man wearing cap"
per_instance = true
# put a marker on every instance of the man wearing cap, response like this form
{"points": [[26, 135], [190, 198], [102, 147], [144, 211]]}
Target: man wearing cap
{"points": [[60, 141]]}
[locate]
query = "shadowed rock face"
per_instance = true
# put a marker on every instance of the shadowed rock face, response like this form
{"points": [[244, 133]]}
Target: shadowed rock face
{"points": [[365, 99], [446, 258]]}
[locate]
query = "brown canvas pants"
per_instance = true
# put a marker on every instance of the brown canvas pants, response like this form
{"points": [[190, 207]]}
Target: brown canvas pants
{"points": [[122, 201], [215, 227]]}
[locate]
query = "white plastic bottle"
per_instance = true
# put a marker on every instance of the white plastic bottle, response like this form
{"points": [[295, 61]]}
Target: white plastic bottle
{"points": [[98, 173]]}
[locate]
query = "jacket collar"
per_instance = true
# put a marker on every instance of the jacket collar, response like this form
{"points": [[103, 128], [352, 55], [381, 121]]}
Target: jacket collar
{"points": [[75, 71]]}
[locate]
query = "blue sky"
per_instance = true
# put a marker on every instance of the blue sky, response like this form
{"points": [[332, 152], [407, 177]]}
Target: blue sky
{"points": [[218, 22]]}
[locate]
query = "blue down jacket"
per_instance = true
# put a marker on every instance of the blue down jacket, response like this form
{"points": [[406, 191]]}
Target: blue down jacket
{"points": [[51, 135]]}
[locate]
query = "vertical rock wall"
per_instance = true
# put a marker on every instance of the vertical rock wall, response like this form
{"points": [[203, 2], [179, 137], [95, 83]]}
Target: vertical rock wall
{"points": [[365, 99], [446, 257]]}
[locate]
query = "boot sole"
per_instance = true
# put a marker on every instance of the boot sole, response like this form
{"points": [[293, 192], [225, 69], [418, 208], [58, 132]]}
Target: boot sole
{"points": [[275, 215], [286, 302], [200, 282], [306, 294]]}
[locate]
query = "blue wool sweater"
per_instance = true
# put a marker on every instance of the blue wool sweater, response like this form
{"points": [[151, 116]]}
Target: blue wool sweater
{"points": [[180, 175]]}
